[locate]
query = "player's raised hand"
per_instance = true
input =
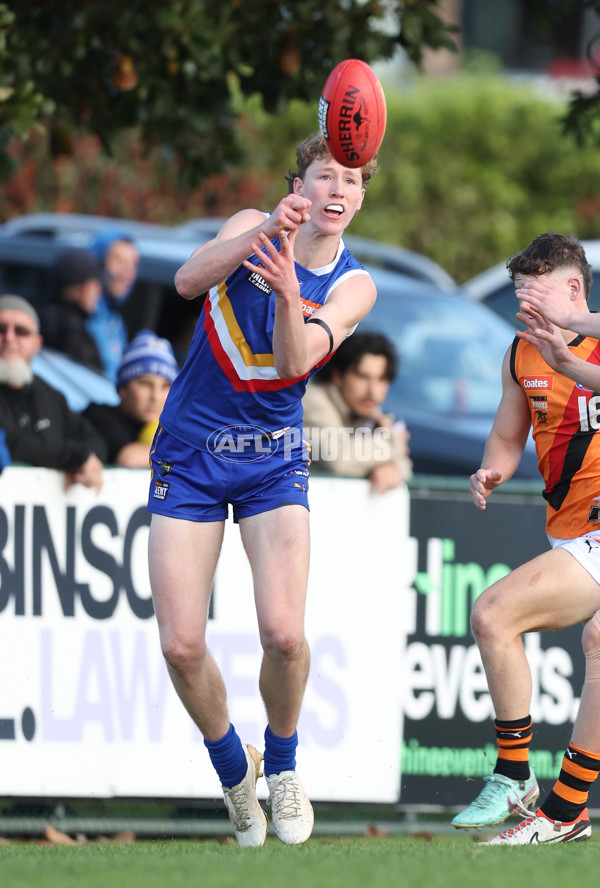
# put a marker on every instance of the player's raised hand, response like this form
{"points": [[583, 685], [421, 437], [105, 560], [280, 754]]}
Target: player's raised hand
{"points": [[481, 484], [550, 301], [291, 212], [277, 267], [546, 337]]}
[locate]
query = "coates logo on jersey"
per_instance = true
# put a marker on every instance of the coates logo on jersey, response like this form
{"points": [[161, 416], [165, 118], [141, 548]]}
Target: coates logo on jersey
{"points": [[309, 308], [541, 383]]}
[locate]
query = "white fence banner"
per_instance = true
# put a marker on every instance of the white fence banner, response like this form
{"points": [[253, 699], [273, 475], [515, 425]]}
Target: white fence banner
{"points": [[86, 705]]}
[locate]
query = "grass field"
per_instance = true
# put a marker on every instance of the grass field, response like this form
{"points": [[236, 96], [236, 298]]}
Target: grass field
{"points": [[321, 863]]}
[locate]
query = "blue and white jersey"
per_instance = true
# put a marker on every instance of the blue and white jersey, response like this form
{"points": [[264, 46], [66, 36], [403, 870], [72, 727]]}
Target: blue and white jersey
{"points": [[229, 376]]}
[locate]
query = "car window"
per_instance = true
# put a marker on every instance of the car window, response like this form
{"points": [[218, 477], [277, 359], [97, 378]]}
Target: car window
{"points": [[450, 351], [503, 302]]}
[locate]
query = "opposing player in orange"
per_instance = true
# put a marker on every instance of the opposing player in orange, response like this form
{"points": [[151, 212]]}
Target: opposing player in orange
{"points": [[559, 588]]}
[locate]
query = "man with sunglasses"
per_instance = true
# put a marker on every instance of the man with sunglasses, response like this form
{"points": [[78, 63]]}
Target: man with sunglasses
{"points": [[39, 427]]}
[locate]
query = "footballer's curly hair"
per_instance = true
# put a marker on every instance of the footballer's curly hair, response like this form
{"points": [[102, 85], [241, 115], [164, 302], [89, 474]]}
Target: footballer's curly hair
{"points": [[549, 251], [315, 148]]}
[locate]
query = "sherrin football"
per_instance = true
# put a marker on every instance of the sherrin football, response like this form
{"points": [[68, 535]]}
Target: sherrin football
{"points": [[352, 113]]}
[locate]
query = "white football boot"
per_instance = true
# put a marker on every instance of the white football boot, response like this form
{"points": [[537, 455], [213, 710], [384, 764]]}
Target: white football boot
{"points": [[248, 818], [292, 813], [537, 828]]}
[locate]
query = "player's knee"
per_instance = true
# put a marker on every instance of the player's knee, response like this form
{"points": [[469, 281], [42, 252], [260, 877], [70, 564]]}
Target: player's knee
{"points": [[282, 644], [183, 653], [484, 621], [590, 638]]}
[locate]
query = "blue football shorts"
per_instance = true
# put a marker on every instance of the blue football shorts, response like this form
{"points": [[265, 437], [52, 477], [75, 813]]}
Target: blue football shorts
{"points": [[199, 485]]}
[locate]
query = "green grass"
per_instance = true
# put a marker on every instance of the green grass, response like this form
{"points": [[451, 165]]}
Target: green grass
{"points": [[321, 863]]}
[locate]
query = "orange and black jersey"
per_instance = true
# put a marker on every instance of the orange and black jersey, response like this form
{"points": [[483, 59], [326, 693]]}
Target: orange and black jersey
{"points": [[565, 418]]}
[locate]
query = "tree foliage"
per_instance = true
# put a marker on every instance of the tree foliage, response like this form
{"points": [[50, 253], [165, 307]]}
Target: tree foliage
{"points": [[582, 116], [472, 169], [179, 70], [176, 69]]}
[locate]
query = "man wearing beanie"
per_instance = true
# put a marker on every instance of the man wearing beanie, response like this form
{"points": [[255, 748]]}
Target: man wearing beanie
{"points": [[77, 277], [38, 425], [144, 378]]}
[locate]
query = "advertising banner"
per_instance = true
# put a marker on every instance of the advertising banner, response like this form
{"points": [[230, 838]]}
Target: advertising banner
{"points": [[456, 552], [86, 705]]}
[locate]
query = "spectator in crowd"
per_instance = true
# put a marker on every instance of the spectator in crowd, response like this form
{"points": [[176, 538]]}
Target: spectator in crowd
{"points": [[143, 381], [119, 257], [40, 428], [344, 420], [78, 283]]}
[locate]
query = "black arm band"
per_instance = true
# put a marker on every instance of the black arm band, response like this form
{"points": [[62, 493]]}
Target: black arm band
{"points": [[326, 328]]}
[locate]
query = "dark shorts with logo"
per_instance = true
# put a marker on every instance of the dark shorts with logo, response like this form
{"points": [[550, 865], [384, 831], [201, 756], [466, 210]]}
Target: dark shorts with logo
{"points": [[252, 473]]}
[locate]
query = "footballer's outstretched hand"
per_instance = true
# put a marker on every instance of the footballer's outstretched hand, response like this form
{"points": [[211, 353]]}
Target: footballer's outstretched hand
{"points": [[482, 483], [277, 267], [547, 338]]}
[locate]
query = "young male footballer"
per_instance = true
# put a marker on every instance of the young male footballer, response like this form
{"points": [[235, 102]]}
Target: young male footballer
{"points": [[283, 293], [560, 587]]}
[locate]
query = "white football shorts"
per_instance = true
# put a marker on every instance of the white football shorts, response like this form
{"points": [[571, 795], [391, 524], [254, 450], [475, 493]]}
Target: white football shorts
{"points": [[585, 549]]}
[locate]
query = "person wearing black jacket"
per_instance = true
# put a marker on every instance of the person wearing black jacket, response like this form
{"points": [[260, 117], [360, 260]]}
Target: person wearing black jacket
{"points": [[78, 280], [39, 426]]}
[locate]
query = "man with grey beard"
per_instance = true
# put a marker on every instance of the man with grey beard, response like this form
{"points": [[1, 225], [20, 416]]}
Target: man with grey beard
{"points": [[40, 428]]}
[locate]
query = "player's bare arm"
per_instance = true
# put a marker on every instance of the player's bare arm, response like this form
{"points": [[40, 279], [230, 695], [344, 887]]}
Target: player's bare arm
{"points": [[506, 442], [215, 260], [347, 305]]}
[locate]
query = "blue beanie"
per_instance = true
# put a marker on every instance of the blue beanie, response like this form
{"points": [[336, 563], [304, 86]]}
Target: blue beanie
{"points": [[147, 353], [104, 238]]}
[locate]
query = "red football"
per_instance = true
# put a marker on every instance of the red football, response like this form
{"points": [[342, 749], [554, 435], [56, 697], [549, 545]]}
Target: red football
{"points": [[352, 113]]}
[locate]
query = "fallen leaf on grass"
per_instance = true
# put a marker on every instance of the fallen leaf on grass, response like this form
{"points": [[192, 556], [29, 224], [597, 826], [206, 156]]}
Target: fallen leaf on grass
{"points": [[126, 835], [58, 838], [374, 831]]}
